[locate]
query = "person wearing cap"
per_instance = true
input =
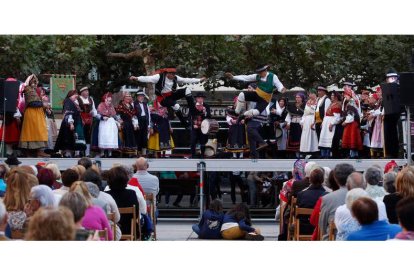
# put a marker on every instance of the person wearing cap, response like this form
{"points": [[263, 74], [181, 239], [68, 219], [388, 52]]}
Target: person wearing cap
{"points": [[166, 82], [144, 122], [266, 82], [107, 135], [197, 115], [88, 112], [375, 120], [331, 125], [12, 161], [293, 119], [127, 112], [322, 105], [34, 134], [71, 137], [351, 137], [309, 139], [392, 110]]}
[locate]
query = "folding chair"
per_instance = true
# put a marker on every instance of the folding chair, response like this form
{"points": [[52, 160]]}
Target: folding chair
{"points": [[332, 231], [111, 218], [291, 218], [150, 198], [298, 212], [103, 234], [130, 211]]}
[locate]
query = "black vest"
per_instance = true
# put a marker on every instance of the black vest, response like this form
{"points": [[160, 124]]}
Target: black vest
{"points": [[322, 109], [160, 84]]}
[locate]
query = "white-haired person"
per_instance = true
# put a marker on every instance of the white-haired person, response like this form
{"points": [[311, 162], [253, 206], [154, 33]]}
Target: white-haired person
{"points": [[374, 177]]}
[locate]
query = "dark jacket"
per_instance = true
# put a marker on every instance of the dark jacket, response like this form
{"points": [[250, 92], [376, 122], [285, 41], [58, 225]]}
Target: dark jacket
{"points": [[210, 225], [242, 223]]}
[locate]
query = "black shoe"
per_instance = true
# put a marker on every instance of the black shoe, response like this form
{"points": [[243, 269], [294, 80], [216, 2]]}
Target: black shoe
{"points": [[177, 205], [253, 237]]}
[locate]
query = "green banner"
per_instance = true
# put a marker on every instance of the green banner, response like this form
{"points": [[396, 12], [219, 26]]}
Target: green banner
{"points": [[60, 85]]}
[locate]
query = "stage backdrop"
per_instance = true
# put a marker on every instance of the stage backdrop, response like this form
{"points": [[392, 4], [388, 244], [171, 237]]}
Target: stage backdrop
{"points": [[60, 85]]}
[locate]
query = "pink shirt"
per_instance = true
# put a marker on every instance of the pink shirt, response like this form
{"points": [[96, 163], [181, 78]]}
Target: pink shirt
{"points": [[95, 219]]}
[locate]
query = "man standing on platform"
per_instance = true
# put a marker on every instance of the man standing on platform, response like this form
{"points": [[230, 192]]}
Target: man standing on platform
{"points": [[144, 122], [322, 105], [166, 82]]}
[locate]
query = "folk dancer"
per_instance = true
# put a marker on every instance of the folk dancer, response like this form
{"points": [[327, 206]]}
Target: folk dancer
{"points": [[266, 82], [277, 117], [108, 126], [308, 138], [236, 139], [330, 124], [71, 137], [127, 113], [323, 103], [34, 129], [197, 115], [88, 112], [166, 82], [160, 139], [293, 119], [375, 118], [144, 122]]}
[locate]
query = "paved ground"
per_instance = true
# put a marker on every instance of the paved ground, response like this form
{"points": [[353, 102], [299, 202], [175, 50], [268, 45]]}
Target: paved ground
{"points": [[181, 231]]}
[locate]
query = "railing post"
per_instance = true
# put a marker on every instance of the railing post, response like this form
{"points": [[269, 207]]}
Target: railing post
{"points": [[201, 168]]}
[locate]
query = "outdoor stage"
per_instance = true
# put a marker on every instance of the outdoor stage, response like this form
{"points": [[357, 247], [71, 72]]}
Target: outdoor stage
{"points": [[170, 164]]}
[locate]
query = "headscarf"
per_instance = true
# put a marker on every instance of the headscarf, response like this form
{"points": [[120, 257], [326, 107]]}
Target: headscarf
{"points": [[106, 95], [30, 78], [300, 94], [299, 169]]}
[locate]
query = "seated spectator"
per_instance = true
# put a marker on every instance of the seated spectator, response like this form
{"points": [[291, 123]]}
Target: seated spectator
{"points": [[209, 226], [80, 170], [309, 196], [3, 221], [40, 196], [389, 182], [51, 224], [149, 182], [94, 191], [45, 176], [92, 176], [4, 169], [16, 197], [365, 211], [373, 177], [117, 182], [405, 214], [68, 178], [238, 225], [95, 218], [85, 162], [57, 183], [77, 204], [404, 186], [300, 185]]}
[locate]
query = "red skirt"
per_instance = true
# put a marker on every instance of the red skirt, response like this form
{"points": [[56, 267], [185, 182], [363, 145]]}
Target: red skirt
{"points": [[11, 132], [351, 138]]}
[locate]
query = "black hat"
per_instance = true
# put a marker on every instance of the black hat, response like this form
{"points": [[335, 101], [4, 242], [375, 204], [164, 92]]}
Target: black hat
{"points": [[200, 94], [323, 88], [83, 89], [349, 82], [12, 161], [391, 73], [262, 68]]}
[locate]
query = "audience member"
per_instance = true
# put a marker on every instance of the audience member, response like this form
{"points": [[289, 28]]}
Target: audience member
{"points": [[374, 177], [405, 214], [68, 178], [85, 162], [365, 211], [209, 226], [389, 182], [4, 169]]}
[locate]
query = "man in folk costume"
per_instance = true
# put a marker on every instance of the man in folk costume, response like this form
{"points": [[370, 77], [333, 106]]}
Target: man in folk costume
{"points": [[34, 134], [375, 120], [166, 82], [88, 111], [10, 126], [144, 122], [322, 105], [266, 82], [236, 139], [197, 115], [392, 111]]}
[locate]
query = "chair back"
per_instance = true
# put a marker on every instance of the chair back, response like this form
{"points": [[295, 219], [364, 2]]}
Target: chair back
{"points": [[298, 212], [17, 234], [130, 211], [103, 234], [291, 218], [151, 200], [111, 218], [332, 231]]}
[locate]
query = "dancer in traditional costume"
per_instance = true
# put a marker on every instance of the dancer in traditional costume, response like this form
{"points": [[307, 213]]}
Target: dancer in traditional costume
{"points": [[88, 112], [293, 119], [129, 126], [236, 139], [108, 126], [323, 103], [197, 115], [160, 139], [144, 122], [166, 82], [278, 112], [309, 139], [351, 137], [375, 118]]}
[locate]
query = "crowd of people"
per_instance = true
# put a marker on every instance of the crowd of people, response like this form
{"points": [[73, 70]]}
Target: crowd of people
{"points": [[42, 203], [320, 123]]}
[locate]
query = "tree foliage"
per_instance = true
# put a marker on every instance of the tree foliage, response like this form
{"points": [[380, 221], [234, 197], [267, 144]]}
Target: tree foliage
{"points": [[298, 60]]}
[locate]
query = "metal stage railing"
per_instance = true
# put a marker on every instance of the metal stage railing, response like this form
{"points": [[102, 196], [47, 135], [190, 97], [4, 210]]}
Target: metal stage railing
{"points": [[173, 164]]}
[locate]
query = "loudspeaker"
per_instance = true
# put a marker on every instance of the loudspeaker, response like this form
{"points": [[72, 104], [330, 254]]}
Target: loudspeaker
{"points": [[9, 91], [407, 88], [391, 98]]}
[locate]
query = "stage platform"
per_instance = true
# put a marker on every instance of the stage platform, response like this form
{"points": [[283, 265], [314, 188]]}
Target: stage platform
{"points": [[171, 164]]}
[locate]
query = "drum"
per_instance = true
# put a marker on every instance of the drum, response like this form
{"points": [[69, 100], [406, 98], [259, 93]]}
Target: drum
{"points": [[278, 132], [211, 148], [209, 126]]}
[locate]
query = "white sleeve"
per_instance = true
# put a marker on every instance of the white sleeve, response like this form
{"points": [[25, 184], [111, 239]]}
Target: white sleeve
{"points": [[337, 118], [17, 114], [94, 111], [70, 119], [246, 78], [268, 108], [376, 113], [150, 79], [228, 120], [327, 104], [277, 83], [349, 118], [181, 80], [288, 118], [149, 117]]}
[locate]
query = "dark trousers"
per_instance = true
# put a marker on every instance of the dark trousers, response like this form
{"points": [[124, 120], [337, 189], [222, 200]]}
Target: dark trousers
{"points": [[252, 96], [171, 100], [318, 128], [142, 133], [198, 136], [253, 129], [236, 179], [391, 135]]}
